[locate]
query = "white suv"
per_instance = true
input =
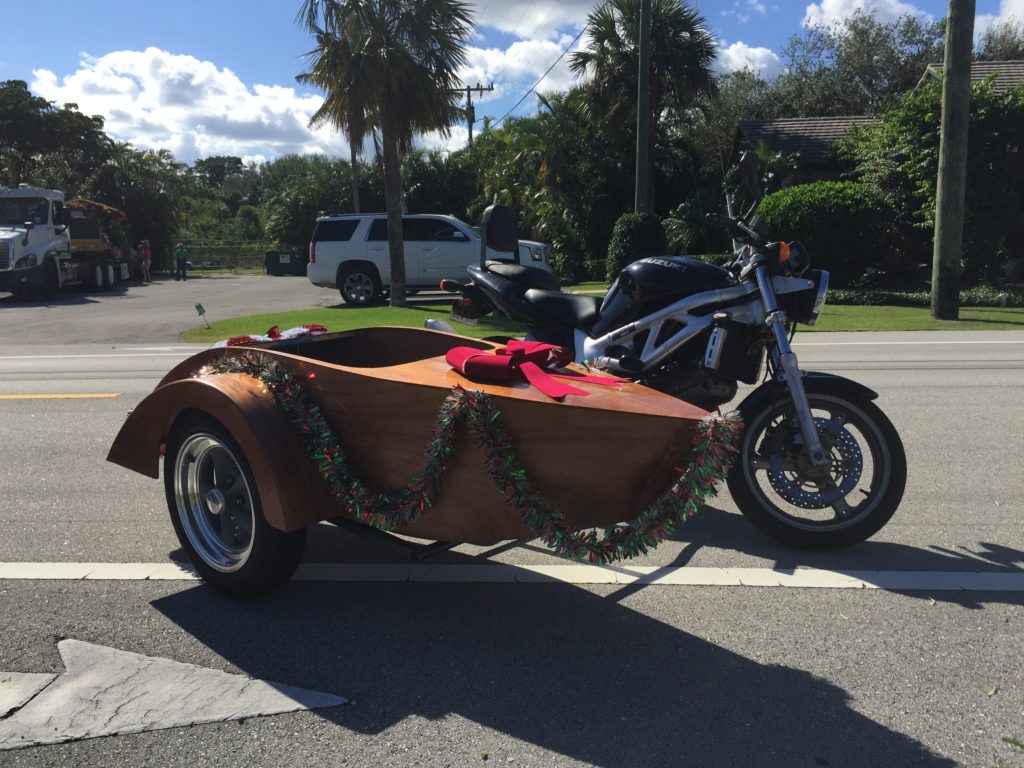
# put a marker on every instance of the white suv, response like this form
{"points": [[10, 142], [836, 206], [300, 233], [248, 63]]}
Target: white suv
{"points": [[350, 252]]}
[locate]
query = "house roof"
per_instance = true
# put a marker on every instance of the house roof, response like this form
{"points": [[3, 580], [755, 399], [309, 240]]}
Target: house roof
{"points": [[812, 138], [1008, 73]]}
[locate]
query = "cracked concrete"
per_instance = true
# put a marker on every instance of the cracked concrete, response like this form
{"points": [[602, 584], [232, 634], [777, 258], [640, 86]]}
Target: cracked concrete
{"points": [[18, 688], [104, 691]]}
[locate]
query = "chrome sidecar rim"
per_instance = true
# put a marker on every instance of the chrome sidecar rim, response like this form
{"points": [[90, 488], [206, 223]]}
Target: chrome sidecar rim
{"points": [[214, 502]]}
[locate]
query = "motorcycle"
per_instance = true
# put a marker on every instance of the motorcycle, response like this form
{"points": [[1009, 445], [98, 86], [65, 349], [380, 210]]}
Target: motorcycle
{"points": [[820, 466]]}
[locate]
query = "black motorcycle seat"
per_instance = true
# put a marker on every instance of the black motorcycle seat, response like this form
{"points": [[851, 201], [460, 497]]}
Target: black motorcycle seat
{"points": [[528, 277], [568, 308]]}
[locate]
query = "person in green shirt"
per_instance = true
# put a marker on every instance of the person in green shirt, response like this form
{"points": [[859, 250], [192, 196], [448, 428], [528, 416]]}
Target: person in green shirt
{"points": [[181, 262]]}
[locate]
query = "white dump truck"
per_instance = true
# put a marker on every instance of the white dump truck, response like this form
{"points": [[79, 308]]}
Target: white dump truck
{"points": [[37, 253]]}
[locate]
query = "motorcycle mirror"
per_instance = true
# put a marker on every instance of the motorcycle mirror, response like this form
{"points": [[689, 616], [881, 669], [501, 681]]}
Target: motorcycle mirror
{"points": [[750, 171]]}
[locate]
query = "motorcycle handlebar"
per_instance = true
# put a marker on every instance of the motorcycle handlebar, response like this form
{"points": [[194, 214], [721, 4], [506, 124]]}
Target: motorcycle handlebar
{"points": [[737, 227]]}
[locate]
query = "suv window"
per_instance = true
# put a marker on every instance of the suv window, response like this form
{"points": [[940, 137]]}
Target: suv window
{"points": [[433, 230], [335, 230], [417, 230], [378, 231]]}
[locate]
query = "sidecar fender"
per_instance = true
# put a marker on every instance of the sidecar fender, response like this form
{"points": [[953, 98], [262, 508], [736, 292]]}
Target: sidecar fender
{"points": [[814, 381], [288, 485]]}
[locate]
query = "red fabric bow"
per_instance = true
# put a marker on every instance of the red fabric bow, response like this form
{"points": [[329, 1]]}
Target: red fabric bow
{"points": [[530, 360]]}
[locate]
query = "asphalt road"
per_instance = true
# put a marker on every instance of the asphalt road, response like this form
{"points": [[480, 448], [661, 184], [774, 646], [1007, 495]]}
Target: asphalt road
{"points": [[535, 674], [158, 312]]}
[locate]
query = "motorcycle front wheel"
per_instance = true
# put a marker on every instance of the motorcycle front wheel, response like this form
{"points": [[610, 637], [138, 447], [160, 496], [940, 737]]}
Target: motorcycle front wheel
{"points": [[775, 486]]}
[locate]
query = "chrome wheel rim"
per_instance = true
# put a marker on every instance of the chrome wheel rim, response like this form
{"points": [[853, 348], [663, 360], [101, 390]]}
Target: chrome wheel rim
{"points": [[214, 502], [358, 288], [778, 473]]}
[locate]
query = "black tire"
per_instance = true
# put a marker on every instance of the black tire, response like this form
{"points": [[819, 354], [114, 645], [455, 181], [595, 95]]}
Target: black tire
{"points": [[772, 487], [359, 285], [51, 280], [109, 278], [216, 512], [96, 276]]}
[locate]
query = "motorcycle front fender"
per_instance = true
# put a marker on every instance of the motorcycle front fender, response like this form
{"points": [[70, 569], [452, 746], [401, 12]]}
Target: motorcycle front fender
{"points": [[814, 382]]}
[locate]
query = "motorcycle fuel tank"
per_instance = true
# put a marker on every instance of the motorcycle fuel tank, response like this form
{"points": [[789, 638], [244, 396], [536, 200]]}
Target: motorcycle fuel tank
{"points": [[652, 283]]}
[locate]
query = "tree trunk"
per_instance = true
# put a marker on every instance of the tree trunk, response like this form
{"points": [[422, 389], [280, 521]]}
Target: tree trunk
{"points": [[949, 202], [393, 197], [355, 174]]}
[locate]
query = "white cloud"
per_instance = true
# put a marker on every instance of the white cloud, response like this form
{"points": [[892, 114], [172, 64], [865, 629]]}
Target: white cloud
{"points": [[519, 66], [529, 20], [739, 55], [1009, 10], [830, 12], [159, 100]]}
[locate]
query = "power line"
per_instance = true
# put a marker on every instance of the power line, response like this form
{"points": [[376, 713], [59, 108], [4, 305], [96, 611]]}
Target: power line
{"points": [[548, 72]]}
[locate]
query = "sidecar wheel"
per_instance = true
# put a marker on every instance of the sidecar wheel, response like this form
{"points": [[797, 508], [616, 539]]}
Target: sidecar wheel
{"points": [[774, 486], [216, 512]]}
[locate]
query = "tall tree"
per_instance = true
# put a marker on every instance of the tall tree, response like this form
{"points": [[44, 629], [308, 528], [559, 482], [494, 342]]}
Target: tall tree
{"points": [[399, 59], [1003, 41], [858, 67], [682, 51]]}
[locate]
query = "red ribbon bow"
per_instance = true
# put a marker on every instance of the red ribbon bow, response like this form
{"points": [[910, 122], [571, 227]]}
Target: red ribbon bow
{"points": [[518, 360]]}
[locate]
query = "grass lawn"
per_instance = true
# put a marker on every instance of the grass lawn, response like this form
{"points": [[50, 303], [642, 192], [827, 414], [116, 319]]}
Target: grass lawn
{"points": [[840, 317], [834, 318], [344, 318]]}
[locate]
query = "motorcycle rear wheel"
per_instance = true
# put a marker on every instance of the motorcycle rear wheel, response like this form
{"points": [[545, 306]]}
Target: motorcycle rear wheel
{"points": [[775, 487]]}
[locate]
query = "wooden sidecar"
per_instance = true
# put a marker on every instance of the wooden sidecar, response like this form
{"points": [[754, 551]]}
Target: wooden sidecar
{"points": [[264, 440]]}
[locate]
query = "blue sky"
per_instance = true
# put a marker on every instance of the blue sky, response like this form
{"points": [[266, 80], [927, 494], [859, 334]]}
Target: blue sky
{"points": [[218, 77]]}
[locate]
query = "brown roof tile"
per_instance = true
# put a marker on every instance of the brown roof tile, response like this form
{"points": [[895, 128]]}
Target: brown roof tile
{"points": [[1008, 73], [812, 138]]}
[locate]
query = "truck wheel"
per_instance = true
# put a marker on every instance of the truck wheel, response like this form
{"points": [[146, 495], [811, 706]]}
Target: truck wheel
{"points": [[110, 276], [95, 282], [51, 280], [359, 285], [216, 512]]}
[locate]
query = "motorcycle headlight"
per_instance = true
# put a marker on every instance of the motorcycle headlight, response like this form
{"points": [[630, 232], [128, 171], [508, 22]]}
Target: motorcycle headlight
{"points": [[26, 261]]}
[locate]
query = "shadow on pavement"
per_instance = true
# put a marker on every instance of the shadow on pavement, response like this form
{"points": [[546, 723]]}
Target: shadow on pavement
{"points": [[556, 666], [717, 529]]}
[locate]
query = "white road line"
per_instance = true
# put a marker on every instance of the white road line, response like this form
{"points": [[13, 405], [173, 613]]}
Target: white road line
{"points": [[899, 343], [493, 573], [111, 354], [184, 353]]}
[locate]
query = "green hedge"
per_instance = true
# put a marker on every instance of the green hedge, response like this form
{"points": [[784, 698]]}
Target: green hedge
{"points": [[843, 224], [635, 236], [982, 296]]}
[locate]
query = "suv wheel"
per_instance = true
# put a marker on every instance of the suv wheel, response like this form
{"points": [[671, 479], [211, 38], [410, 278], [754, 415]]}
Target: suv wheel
{"points": [[359, 285]]}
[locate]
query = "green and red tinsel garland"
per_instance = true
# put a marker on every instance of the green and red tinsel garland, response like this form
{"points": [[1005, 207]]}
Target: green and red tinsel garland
{"points": [[709, 461]]}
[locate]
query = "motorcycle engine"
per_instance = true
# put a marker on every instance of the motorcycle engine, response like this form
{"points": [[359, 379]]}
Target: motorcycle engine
{"points": [[691, 382]]}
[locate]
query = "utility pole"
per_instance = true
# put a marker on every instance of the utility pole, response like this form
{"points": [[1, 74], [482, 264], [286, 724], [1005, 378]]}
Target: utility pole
{"points": [[470, 111], [643, 108], [949, 197]]}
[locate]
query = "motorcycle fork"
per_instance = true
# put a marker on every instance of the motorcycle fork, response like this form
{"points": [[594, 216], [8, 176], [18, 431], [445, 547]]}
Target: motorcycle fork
{"points": [[787, 368]]}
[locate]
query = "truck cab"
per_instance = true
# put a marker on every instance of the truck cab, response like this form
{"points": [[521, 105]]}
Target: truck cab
{"points": [[34, 239]]}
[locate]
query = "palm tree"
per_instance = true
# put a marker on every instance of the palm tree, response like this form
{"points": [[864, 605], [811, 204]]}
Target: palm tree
{"points": [[682, 51], [395, 62], [344, 107]]}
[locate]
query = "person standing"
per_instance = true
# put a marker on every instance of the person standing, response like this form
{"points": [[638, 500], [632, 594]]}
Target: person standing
{"points": [[146, 259], [181, 262]]}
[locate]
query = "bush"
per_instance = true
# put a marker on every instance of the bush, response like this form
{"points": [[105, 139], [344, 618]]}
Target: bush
{"points": [[842, 224], [635, 236], [982, 296]]}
